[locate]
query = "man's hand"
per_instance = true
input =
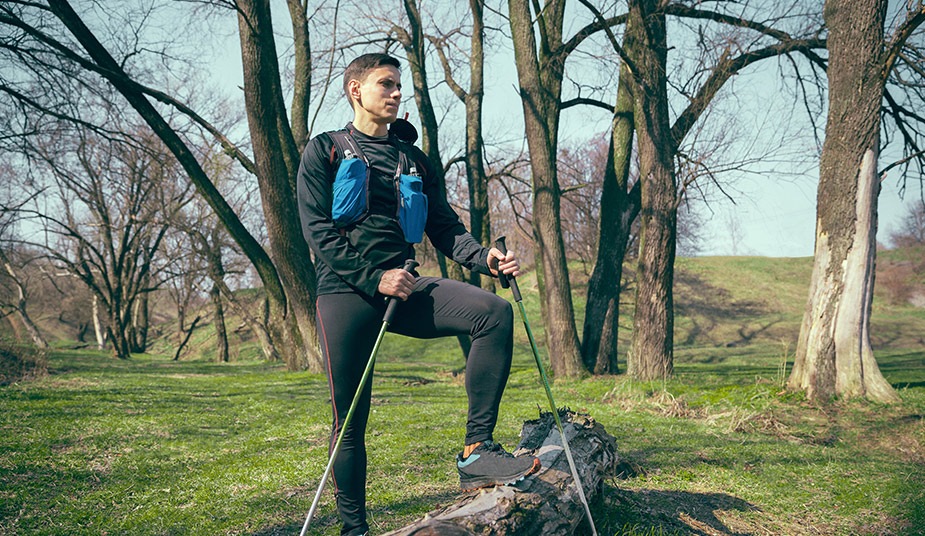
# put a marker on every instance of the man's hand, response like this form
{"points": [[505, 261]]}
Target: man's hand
{"points": [[506, 263], [397, 283]]}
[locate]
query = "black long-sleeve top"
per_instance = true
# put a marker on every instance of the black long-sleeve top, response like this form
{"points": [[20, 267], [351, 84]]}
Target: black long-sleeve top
{"points": [[355, 260]]}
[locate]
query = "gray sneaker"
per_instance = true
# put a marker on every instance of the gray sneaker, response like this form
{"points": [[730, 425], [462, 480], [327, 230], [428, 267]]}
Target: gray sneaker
{"points": [[490, 465]]}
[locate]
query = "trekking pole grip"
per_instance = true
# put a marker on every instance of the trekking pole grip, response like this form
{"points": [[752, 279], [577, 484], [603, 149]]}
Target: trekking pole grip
{"points": [[409, 265], [506, 280]]}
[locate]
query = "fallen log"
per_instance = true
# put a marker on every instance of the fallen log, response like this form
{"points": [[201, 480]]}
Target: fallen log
{"points": [[546, 503]]}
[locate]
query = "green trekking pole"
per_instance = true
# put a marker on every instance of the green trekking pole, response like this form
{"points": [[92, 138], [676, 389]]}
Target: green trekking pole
{"points": [[386, 320], [508, 281]]}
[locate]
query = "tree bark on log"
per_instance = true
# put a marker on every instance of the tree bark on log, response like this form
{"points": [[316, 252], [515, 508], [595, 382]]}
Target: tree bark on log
{"points": [[546, 503]]}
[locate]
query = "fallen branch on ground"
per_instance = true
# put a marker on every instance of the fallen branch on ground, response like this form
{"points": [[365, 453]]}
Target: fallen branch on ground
{"points": [[546, 503]]}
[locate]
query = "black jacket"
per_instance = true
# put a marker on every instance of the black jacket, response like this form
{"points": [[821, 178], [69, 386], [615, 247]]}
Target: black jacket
{"points": [[356, 260]]}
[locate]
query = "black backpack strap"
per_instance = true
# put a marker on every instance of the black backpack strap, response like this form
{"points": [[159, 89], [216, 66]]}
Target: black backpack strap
{"points": [[406, 163], [345, 146]]}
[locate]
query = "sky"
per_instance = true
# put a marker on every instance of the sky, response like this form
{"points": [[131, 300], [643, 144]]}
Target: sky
{"points": [[770, 208]]}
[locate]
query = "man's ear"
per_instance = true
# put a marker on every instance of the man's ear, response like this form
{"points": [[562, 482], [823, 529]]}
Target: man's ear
{"points": [[353, 88]]}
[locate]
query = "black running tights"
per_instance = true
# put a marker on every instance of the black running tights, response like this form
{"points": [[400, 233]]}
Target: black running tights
{"points": [[347, 328]]}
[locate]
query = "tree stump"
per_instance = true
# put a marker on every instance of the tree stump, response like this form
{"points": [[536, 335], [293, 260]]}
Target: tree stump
{"points": [[546, 503]]}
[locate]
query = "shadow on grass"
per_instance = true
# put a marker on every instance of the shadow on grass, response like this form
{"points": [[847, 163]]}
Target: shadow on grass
{"points": [[711, 306], [668, 512], [330, 523]]}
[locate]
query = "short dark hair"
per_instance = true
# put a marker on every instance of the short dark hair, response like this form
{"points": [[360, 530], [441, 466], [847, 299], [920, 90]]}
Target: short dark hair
{"points": [[360, 67]]}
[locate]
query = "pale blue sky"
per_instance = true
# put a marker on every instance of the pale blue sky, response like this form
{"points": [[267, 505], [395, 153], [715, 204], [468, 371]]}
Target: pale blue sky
{"points": [[774, 212]]}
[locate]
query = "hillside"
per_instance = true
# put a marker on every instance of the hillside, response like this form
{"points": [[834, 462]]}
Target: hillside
{"points": [[719, 301]]}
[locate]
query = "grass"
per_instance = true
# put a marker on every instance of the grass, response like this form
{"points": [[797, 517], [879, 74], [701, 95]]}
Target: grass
{"points": [[153, 446]]}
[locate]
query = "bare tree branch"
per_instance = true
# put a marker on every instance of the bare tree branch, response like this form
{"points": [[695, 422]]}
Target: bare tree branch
{"points": [[902, 33], [591, 102]]}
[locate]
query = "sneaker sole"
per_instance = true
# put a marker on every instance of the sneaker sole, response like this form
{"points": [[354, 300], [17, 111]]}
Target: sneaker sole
{"points": [[474, 484]]}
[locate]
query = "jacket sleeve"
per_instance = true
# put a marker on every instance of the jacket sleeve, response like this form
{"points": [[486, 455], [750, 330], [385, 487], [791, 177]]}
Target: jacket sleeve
{"points": [[315, 191], [444, 229]]}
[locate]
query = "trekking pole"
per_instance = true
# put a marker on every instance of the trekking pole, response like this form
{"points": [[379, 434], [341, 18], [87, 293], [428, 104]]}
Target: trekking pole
{"points": [[386, 320], [508, 281]]}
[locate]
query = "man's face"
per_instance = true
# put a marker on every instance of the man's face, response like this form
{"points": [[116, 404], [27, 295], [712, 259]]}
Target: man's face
{"points": [[379, 94]]}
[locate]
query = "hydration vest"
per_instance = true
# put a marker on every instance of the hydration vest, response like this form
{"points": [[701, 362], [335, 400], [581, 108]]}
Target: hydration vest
{"points": [[350, 203]]}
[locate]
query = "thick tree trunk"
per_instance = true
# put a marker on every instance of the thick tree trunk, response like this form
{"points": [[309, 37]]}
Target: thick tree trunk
{"points": [[834, 355], [276, 159], [546, 503], [118, 335], [652, 349], [619, 209], [540, 75]]}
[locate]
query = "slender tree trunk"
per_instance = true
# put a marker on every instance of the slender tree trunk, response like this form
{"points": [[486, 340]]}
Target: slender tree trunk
{"points": [[619, 208], [186, 334], [652, 349], [302, 76], [139, 340], [834, 355], [97, 325], [221, 334], [479, 213], [30, 326], [259, 328], [276, 159], [413, 43], [217, 274], [540, 76]]}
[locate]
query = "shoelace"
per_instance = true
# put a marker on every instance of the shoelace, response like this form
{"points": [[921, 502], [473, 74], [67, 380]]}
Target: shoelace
{"points": [[497, 448]]}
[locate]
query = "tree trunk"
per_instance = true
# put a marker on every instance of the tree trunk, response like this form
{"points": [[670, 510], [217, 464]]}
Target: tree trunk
{"points": [[140, 322], [834, 355], [651, 350], [539, 73], [293, 318], [118, 334], [213, 249], [546, 503], [477, 180], [186, 336], [258, 327], [618, 210], [221, 334], [30, 326], [97, 325], [413, 43], [302, 76]]}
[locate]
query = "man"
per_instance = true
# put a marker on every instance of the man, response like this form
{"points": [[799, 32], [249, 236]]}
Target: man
{"points": [[358, 262]]}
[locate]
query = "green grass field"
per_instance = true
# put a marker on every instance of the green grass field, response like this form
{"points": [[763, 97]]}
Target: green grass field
{"points": [[153, 446]]}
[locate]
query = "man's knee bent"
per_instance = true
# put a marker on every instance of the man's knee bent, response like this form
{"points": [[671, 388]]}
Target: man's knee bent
{"points": [[497, 314]]}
